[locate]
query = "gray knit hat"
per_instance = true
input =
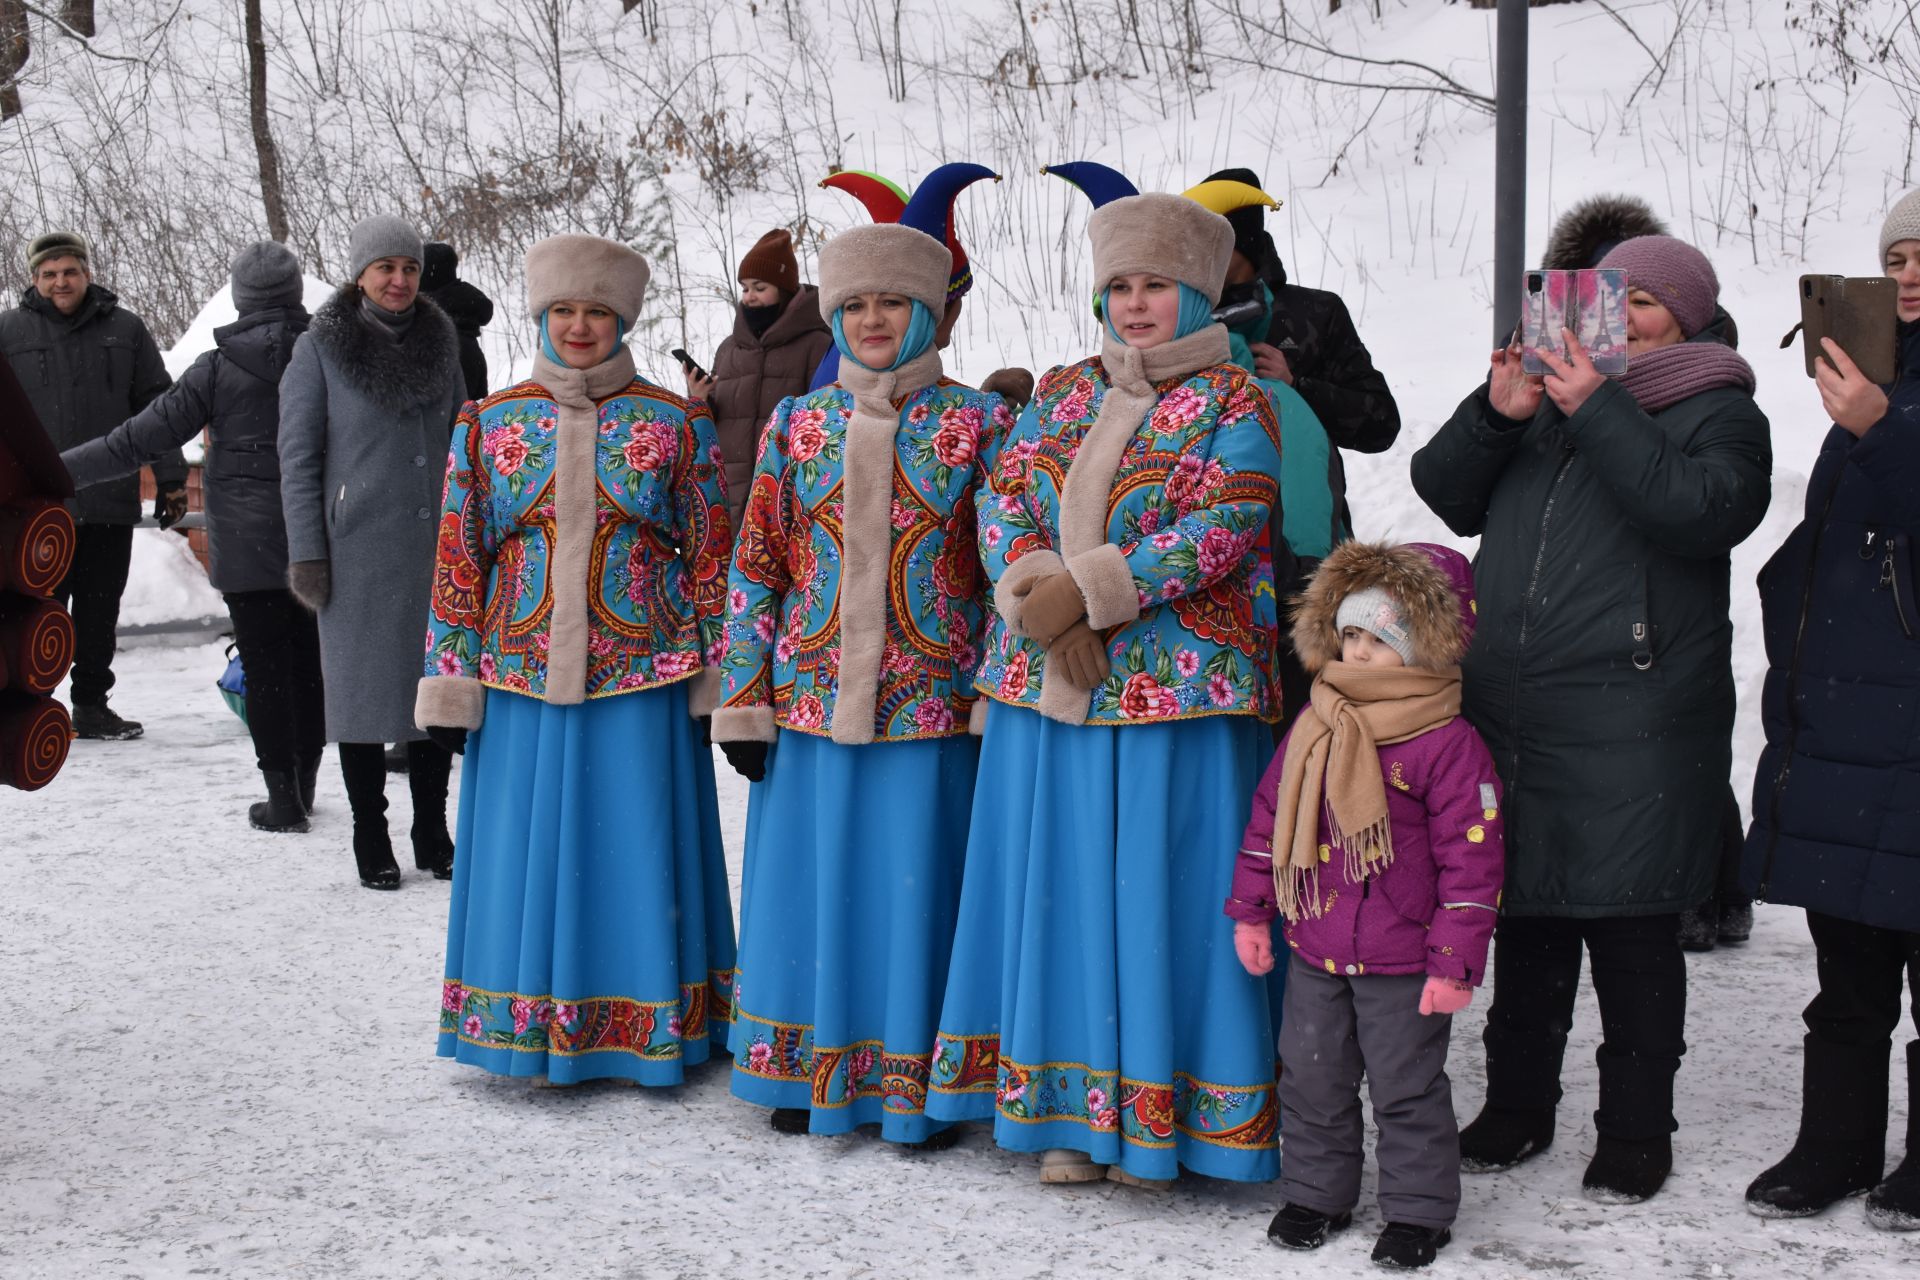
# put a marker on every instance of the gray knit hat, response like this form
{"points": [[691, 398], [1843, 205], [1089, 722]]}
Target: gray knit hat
{"points": [[382, 236], [1903, 223], [266, 274], [56, 244], [1372, 609]]}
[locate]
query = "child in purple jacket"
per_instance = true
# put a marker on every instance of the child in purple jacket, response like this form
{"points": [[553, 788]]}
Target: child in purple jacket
{"points": [[1376, 832]]}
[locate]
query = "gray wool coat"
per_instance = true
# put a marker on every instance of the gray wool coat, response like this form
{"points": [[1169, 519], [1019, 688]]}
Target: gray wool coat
{"points": [[364, 430]]}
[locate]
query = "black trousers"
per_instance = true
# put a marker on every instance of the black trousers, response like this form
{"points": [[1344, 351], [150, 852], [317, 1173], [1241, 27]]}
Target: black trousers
{"points": [[363, 765], [1640, 978], [91, 591], [286, 701], [1860, 968]]}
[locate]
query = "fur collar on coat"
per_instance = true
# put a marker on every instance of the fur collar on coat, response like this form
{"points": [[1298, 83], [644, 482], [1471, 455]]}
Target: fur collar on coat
{"points": [[404, 374], [1436, 601]]}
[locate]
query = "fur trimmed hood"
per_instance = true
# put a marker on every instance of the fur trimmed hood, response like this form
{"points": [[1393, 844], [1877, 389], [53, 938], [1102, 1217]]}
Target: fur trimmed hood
{"points": [[405, 374], [1433, 586], [1587, 232]]}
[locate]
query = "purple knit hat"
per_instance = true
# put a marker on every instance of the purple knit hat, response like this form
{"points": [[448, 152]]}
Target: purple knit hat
{"points": [[1673, 271]]}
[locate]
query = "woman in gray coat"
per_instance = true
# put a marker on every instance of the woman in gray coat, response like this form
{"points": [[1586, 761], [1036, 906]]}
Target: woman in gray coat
{"points": [[366, 412]]}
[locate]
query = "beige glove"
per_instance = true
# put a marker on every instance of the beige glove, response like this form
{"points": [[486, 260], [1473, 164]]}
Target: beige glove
{"points": [[1050, 606], [1080, 654]]}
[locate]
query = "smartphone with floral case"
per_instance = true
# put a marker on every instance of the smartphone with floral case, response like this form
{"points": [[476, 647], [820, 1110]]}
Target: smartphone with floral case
{"points": [[1593, 304]]}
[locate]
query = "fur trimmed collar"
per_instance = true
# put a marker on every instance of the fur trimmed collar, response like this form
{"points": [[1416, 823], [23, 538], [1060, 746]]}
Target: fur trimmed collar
{"points": [[1429, 602], [411, 372]]}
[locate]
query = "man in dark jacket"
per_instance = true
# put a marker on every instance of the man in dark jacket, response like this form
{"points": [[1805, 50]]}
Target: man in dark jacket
{"points": [[87, 365], [1313, 347], [468, 308]]}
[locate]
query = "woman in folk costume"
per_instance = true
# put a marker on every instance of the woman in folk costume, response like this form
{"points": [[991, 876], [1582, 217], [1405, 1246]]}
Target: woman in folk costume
{"points": [[856, 612], [1094, 1010], [577, 595]]}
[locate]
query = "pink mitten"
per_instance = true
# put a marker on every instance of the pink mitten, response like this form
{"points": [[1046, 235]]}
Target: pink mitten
{"points": [[1445, 995], [1253, 943]]}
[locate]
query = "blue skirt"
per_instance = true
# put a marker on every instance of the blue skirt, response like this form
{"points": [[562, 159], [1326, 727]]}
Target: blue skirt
{"points": [[1094, 1001], [848, 896], [589, 933]]}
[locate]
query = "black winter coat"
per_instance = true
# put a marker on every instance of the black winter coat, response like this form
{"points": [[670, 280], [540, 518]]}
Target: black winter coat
{"points": [[1836, 796], [471, 311], [1601, 671], [86, 374], [234, 392]]}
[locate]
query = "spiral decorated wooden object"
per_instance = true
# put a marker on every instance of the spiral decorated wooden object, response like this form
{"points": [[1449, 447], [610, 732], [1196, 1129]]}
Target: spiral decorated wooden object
{"points": [[36, 644], [35, 733], [36, 546]]}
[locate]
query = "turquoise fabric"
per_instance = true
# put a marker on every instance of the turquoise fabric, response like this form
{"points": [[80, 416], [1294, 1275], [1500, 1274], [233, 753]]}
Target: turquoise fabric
{"points": [[918, 338], [1307, 517], [846, 923], [546, 338], [1094, 1001], [1195, 314], [589, 931]]}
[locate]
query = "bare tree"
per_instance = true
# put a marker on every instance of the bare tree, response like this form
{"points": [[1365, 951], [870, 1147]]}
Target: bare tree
{"points": [[272, 193], [78, 16], [15, 47]]}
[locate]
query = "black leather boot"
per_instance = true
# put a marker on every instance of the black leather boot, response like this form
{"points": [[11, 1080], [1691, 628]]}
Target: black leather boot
{"points": [[1842, 1146], [307, 777], [1894, 1205], [373, 854], [281, 810]]}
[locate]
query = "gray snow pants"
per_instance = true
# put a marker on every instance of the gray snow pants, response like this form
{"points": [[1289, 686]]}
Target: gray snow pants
{"points": [[1334, 1029]]}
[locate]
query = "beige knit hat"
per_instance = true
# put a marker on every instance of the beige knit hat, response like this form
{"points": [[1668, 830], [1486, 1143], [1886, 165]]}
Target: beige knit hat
{"points": [[586, 269], [885, 258], [1903, 223], [1162, 235]]}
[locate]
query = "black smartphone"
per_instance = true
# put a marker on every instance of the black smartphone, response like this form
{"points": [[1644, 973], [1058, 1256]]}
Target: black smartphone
{"points": [[687, 362]]}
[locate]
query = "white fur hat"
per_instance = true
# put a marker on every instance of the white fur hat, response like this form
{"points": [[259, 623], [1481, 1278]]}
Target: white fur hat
{"points": [[586, 269], [1162, 235], [884, 258]]}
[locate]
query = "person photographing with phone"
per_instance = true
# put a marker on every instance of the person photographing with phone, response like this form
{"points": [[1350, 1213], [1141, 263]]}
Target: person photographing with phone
{"points": [[1834, 811], [777, 341], [1601, 678]]}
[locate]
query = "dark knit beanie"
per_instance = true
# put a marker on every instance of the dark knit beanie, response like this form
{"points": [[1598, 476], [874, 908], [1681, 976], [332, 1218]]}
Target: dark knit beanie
{"points": [[771, 259], [266, 274], [1673, 271], [440, 267], [1250, 238], [56, 244]]}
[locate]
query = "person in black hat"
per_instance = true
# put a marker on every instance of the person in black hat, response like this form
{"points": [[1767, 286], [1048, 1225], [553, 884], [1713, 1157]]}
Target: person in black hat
{"points": [[1311, 346], [465, 305]]}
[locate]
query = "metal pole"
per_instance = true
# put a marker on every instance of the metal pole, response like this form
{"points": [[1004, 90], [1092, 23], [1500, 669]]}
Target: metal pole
{"points": [[1509, 167]]}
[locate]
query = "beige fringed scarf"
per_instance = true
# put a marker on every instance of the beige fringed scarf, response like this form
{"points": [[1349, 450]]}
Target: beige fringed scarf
{"points": [[1333, 765]]}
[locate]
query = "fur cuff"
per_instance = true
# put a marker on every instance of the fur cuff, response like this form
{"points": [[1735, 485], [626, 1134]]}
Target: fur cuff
{"points": [[743, 724], [449, 702], [1020, 577], [703, 692], [977, 718], [1061, 699], [1106, 580]]}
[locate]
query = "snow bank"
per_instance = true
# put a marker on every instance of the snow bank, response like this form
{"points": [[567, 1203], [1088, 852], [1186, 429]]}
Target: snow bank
{"points": [[166, 584]]}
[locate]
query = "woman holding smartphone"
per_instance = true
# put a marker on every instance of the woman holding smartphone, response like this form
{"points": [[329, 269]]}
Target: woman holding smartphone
{"points": [[1836, 815], [1601, 678], [778, 339]]}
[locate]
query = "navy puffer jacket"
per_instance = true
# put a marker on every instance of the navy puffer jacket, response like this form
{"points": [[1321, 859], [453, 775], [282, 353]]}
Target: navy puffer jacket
{"points": [[1836, 797]]}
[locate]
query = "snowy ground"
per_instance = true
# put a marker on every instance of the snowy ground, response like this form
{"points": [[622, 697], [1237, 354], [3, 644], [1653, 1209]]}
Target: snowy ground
{"points": [[224, 1066]]}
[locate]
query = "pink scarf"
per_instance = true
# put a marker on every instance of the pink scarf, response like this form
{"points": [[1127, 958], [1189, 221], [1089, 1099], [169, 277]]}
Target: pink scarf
{"points": [[1665, 376]]}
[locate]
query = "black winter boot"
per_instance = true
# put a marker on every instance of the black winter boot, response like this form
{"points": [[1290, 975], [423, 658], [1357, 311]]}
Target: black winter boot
{"points": [[373, 853], [1405, 1247], [281, 810], [307, 778], [1842, 1145], [1298, 1227], [1500, 1139], [1894, 1205], [1700, 926], [1736, 921], [428, 767], [433, 851], [97, 721], [790, 1119], [1627, 1171]]}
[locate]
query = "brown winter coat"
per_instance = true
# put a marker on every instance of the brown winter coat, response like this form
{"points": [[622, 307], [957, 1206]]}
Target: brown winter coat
{"points": [[751, 376]]}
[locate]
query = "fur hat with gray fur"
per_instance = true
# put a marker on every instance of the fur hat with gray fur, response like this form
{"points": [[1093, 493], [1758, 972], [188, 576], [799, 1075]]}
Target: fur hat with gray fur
{"points": [[56, 244], [1592, 229], [586, 269], [1162, 235], [884, 258], [1430, 588]]}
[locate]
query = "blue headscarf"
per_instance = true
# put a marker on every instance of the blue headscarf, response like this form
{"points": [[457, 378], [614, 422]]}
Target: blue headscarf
{"points": [[546, 339], [918, 339], [1196, 313]]}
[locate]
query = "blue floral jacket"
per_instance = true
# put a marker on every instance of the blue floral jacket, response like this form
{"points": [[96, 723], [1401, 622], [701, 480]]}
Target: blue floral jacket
{"points": [[785, 623], [1191, 495]]}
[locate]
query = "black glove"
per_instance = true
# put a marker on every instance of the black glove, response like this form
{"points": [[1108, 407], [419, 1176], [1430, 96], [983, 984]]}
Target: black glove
{"points": [[311, 582], [453, 740], [169, 506], [706, 730], [749, 759]]}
